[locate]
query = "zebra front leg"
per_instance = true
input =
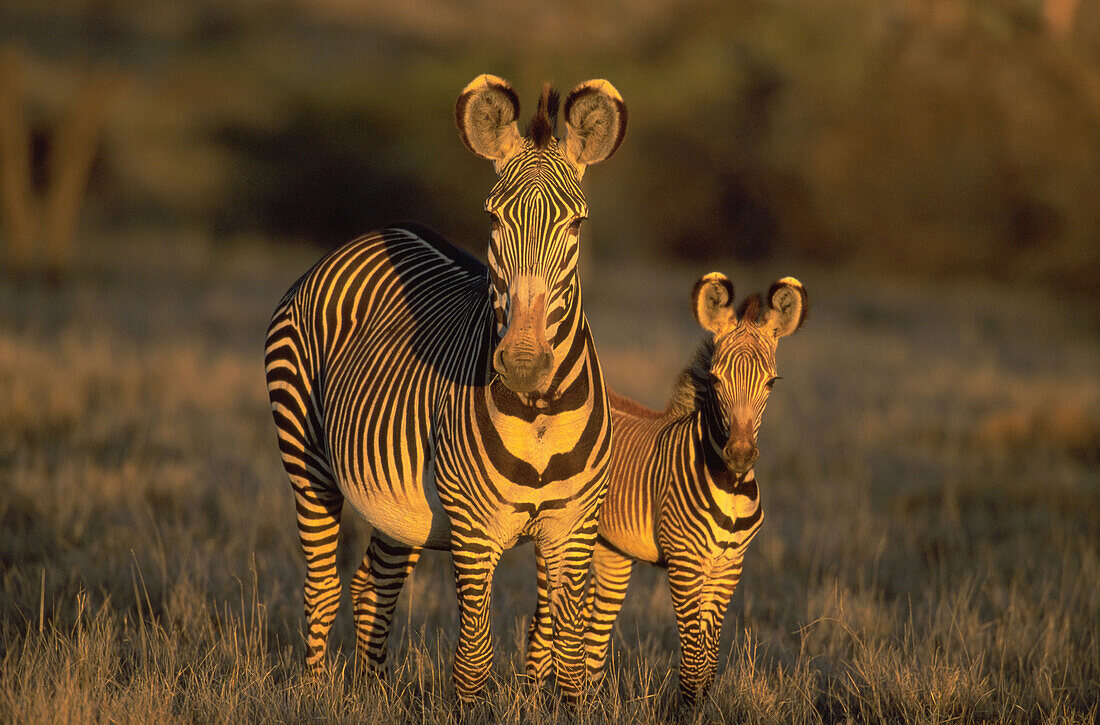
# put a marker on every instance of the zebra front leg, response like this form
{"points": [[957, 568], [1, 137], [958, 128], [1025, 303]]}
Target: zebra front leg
{"points": [[475, 559], [606, 590], [567, 563], [374, 592], [539, 661], [700, 601]]}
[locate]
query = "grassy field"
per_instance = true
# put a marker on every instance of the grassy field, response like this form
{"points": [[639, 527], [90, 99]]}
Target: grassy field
{"points": [[930, 552]]}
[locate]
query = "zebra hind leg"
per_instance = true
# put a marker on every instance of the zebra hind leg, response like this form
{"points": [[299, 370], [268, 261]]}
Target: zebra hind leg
{"points": [[317, 498], [319, 509], [606, 590], [374, 592]]}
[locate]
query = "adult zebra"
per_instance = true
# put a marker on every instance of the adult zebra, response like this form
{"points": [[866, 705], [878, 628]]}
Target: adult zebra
{"points": [[455, 406], [683, 493]]}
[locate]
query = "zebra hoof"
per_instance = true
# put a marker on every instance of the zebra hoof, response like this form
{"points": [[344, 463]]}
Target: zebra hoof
{"points": [[371, 673]]}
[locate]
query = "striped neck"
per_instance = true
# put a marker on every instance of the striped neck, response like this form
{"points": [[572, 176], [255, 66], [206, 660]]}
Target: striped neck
{"points": [[711, 433]]}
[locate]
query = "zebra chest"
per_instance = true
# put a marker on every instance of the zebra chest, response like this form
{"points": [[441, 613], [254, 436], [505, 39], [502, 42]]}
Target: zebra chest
{"points": [[537, 441], [714, 519], [738, 517]]}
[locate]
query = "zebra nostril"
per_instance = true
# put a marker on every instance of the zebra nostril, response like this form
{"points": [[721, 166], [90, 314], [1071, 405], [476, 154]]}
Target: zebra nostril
{"points": [[499, 363], [523, 372], [740, 456]]}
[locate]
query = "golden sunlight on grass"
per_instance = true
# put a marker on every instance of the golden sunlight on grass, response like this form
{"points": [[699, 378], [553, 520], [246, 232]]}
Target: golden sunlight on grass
{"points": [[928, 472]]}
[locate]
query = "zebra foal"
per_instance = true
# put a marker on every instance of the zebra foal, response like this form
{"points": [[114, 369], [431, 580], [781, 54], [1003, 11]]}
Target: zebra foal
{"points": [[682, 492], [455, 405]]}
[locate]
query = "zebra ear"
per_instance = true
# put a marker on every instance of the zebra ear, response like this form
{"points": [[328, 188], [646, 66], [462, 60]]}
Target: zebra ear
{"points": [[712, 302], [595, 123], [486, 115], [788, 305]]}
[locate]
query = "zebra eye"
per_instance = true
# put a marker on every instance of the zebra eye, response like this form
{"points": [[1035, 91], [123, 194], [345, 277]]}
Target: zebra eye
{"points": [[494, 223], [771, 382], [575, 227]]}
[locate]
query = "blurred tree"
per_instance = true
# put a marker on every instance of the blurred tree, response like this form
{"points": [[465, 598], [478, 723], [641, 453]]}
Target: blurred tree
{"points": [[1059, 15], [17, 202], [919, 136], [51, 220]]}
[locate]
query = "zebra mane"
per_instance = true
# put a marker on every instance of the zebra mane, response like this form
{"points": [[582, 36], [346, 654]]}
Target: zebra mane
{"points": [[544, 124], [750, 309], [694, 382], [630, 406]]}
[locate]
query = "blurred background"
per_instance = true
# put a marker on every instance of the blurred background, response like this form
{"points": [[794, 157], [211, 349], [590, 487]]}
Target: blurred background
{"points": [[922, 137]]}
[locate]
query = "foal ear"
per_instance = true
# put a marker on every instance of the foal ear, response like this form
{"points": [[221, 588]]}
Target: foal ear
{"points": [[595, 123], [788, 305], [712, 302], [486, 115]]}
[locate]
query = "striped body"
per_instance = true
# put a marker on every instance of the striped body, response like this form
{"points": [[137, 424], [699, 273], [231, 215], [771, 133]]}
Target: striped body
{"points": [[682, 491], [454, 405], [665, 505], [664, 499], [383, 402]]}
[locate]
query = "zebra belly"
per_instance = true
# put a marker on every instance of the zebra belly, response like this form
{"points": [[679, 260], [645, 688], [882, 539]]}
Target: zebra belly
{"points": [[635, 543], [642, 548], [626, 517], [410, 513]]}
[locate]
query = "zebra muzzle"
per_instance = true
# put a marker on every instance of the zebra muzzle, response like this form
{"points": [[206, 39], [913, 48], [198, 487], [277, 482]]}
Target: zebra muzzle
{"points": [[740, 456], [523, 358], [523, 372], [740, 452]]}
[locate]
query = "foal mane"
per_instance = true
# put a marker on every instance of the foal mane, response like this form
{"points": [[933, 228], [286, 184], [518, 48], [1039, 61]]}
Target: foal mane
{"points": [[694, 382]]}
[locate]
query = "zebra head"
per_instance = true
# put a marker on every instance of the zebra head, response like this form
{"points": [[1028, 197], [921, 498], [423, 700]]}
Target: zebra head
{"points": [[742, 367], [536, 209]]}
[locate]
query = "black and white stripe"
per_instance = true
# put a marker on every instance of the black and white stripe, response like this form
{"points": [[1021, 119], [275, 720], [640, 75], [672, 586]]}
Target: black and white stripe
{"points": [[683, 494], [380, 367]]}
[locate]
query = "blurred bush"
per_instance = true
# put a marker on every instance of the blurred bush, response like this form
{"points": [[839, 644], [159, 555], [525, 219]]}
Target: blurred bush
{"points": [[325, 174], [957, 137]]}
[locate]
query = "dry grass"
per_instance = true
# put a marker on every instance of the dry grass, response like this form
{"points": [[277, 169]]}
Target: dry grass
{"points": [[930, 552]]}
